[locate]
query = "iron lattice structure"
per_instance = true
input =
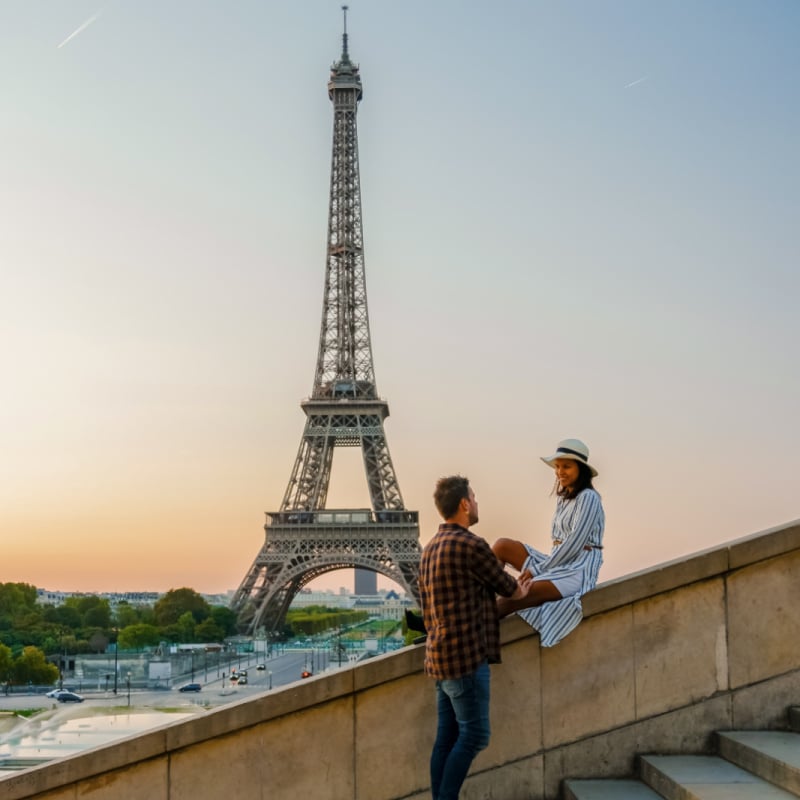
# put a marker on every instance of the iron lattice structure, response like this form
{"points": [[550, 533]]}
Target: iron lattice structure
{"points": [[305, 539]]}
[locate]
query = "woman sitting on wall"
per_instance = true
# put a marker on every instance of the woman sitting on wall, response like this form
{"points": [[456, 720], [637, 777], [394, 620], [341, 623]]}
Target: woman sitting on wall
{"points": [[552, 605]]}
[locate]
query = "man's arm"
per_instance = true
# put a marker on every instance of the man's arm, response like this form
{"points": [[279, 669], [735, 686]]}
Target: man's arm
{"points": [[491, 571]]}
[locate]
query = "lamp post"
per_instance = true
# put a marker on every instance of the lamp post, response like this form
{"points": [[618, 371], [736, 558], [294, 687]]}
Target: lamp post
{"points": [[192, 666], [269, 673], [116, 657], [128, 679]]}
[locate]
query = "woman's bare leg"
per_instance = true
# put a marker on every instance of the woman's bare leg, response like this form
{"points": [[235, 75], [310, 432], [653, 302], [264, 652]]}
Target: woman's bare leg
{"points": [[510, 551], [538, 592]]}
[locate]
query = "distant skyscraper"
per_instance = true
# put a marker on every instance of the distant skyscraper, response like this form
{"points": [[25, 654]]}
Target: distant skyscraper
{"points": [[304, 539], [366, 582]]}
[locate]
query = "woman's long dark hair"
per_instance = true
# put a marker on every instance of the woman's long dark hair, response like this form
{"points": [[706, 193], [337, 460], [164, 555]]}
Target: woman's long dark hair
{"points": [[584, 481]]}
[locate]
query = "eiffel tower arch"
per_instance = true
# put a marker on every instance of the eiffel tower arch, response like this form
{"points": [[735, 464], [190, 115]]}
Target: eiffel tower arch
{"points": [[305, 539]]}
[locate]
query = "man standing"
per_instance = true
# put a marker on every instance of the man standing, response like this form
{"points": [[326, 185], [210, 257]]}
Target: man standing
{"points": [[459, 577]]}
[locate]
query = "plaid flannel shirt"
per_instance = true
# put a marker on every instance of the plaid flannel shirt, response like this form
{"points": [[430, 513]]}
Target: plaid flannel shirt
{"points": [[459, 577]]}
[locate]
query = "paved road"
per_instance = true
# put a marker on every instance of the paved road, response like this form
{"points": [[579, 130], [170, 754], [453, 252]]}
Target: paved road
{"points": [[216, 691]]}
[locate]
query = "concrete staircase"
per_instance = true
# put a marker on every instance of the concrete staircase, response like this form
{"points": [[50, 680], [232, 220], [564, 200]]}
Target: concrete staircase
{"points": [[751, 764]]}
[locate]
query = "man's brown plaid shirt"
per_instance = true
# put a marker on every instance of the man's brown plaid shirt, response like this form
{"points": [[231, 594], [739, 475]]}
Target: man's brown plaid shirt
{"points": [[459, 577]]}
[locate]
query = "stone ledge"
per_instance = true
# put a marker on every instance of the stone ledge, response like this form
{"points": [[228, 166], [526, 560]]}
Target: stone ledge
{"points": [[252, 711], [760, 546], [116, 755], [655, 580]]}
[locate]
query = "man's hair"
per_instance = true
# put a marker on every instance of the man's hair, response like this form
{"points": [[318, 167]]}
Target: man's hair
{"points": [[583, 481], [449, 493]]}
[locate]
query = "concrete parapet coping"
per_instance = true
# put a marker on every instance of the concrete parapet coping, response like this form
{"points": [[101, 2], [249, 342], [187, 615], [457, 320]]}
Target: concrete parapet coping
{"points": [[692, 568]]}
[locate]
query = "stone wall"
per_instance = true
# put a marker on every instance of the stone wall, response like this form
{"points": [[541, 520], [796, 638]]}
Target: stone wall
{"points": [[662, 659]]}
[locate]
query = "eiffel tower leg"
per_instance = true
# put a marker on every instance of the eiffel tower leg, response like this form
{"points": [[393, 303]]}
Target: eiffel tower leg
{"points": [[383, 487]]}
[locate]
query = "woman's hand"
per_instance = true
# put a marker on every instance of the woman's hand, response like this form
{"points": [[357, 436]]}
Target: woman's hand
{"points": [[523, 584]]}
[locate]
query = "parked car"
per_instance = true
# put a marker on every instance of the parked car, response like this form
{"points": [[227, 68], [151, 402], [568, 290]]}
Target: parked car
{"points": [[69, 697], [190, 687]]}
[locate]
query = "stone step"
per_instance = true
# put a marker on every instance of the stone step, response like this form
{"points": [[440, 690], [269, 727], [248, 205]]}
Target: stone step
{"points": [[794, 718], [608, 790], [772, 755], [705, 778]]}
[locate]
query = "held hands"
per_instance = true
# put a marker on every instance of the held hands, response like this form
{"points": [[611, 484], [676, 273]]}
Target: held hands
{"points": [[523, 584]]}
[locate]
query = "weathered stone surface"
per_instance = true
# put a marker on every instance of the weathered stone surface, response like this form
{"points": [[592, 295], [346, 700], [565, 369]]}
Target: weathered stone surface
{"points": [[588, 679], [764, 623], [255, 710], [680, 647], [402, 709], [766, 544], [522, 779], [516, 709], [146, 780], [389, 667], [613, 753], [114, 758], [662, 578], [764, 705], [307, 754]]}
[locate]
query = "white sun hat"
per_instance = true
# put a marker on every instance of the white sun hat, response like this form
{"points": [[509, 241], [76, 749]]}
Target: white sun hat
{"points": [[573, 449]]}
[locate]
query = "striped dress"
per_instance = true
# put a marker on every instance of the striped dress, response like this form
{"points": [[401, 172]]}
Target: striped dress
{"points": [[576, 523]]}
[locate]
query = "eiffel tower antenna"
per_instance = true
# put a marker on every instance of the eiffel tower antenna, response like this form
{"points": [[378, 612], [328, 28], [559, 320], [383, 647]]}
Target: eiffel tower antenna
{"points": [[344, 34], [305, 539]]}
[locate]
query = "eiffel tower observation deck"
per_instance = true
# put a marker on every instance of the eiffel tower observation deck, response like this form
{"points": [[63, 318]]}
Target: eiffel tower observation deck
{"points": [[305, 539]]}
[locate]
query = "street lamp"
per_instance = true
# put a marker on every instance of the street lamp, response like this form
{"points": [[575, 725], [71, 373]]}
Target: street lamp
{"points": [[270, 678], [128, 679], [116, 656]]}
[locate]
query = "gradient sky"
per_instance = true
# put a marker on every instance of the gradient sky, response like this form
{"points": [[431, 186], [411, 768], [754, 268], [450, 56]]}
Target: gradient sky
{"points": [[580, 220]]}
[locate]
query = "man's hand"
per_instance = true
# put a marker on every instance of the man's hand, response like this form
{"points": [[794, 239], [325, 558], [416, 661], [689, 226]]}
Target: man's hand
{"points": [[523, 584]]}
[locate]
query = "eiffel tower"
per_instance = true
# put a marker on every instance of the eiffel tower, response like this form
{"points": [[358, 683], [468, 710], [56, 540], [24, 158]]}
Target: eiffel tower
{"points": [[305, 539]]}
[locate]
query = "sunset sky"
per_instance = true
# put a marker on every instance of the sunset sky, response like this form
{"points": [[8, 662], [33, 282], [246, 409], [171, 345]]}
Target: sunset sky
{"points": [[581, 219]]}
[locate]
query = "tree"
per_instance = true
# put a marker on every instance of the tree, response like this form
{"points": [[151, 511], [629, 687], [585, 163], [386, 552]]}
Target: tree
{"points": [[98, 616], [95, 611], [226, 619], [31, 667], [16, 598], [138, 636], [209, 631], [176, 602], [67, 616], [6, 663], [186, 625], [127, 615]]}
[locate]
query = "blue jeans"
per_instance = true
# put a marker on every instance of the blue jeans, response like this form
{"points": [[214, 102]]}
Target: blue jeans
{"points": [[462, 732]]}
